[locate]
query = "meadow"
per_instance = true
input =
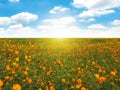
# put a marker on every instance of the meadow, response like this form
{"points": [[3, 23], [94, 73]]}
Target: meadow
{"points": [[59, 64]]}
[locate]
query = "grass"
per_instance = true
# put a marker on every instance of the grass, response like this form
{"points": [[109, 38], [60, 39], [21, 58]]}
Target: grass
{"points": [[59, 64]]}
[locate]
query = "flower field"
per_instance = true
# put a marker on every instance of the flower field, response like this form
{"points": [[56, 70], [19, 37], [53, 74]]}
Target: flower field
{"points": [[59, 64]]}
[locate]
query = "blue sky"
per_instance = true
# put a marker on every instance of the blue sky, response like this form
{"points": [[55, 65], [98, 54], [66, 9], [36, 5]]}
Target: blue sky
{"points": [[60, 18]]}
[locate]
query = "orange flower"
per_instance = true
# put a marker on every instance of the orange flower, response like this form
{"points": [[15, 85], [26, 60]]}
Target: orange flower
{"points": [[93, 63], [63, 80], [29, 80], [0, 88], [1, 83], [113, 72], [47, 88], [12, 70], [52, 88], [43, 67], [7, 77], [48, 73], [78, 85], [16, 87], [17, 52], [101, 79], [25, 73], [83, 88], [7, 67], [78, 68], [79, 81]]}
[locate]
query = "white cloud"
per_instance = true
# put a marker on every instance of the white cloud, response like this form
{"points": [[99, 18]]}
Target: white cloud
{"points": [[55, 28], [96, 7], [60, 21], [13, 0], [91, 19], [5, 21], [97, 27], [92, 13], [65, 30], [116, 22], [24, 17], [59, 27], [96, 4], [15, 27], [2, 32], [58, 9], [18, 30], [87, 20]]}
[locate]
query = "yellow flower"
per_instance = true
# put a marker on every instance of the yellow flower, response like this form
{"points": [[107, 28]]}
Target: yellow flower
{"points": [[14, 63], [73, 80], [27, 68], [26, 57], [39, 88], [17, 59], [1, 83], [16, 87], [96, 75], [72, 87]]}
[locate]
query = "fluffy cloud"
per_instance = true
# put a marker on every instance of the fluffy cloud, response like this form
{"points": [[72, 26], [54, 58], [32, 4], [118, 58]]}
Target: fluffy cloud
{"points": [[96, 4], [60, 21], [96, 7], [58, 9], [59, 27], [24, 17], [5, 21], [87, 20], [19, 28], [13, 0], [2, 30], [65, 30], [97, 27], [92, 13], [116, 23]]}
